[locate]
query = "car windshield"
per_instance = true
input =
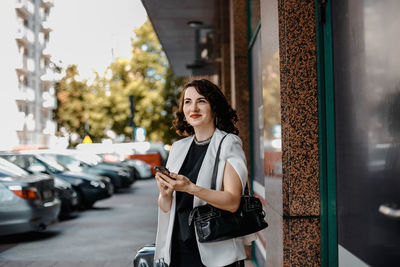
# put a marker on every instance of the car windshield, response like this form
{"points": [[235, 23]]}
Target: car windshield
{"points": [[9, 169], [88, 158], [68, 161], [52, 164]]}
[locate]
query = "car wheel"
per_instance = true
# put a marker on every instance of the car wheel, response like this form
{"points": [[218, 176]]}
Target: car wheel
{"points": [[137, 175], [81, 200], [89, 205]]}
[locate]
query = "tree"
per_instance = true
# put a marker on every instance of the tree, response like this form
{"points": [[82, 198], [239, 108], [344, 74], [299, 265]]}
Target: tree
{"points": [[104, 104], [170, 94], [70, 113], [145, 76], [271, 96], [96, 103]]}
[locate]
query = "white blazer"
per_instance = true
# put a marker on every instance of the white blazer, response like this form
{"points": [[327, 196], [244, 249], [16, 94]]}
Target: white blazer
{"points": [[219, 253]]}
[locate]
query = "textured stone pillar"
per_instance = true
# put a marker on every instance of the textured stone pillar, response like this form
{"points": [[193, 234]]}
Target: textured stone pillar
{"points": [[239, 69], [300, 159], [225, 74]]}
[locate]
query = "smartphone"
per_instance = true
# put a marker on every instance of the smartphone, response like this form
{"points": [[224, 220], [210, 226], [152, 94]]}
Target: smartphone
{"points": [[162, 169]]}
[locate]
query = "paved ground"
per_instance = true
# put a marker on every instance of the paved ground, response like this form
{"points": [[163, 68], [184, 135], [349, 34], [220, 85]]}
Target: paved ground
{"points": [[107, 235]]}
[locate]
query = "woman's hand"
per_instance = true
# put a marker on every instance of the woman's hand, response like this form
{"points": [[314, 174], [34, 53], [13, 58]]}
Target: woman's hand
{"points": [[175, 182], [165, 197], [165, 190]]}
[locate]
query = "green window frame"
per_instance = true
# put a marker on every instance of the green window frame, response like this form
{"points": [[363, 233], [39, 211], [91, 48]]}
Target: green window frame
{"points": [[326, 102]]}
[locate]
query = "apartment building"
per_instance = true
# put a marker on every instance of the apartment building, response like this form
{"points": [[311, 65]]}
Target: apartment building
{"points": [[27, 95]]}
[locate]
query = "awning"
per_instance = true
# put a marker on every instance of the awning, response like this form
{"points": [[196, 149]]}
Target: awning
{"points": [[170, 19]]}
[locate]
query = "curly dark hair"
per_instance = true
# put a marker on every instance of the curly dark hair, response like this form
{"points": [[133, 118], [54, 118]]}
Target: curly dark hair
{"points": [[225, 116]]}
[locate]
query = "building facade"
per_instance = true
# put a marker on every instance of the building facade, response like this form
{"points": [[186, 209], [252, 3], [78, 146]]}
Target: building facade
{"points": [[28, 96], [316, 87]]}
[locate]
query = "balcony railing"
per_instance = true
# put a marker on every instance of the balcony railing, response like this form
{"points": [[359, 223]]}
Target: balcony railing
{"points": [[24, 35], [46, 53], [47, 74], [46, 27], [24, 8], [24, 94], [22, 68], [20, 121], [49, 100], [47, 3], [50, 127]]}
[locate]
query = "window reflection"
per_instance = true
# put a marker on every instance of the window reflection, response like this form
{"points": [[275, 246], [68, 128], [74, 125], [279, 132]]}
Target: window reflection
{"points": [[271, 89], [271, 136]]}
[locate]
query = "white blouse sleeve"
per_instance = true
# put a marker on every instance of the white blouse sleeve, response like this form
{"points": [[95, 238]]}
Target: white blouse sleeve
{"points": [[234, 154]]}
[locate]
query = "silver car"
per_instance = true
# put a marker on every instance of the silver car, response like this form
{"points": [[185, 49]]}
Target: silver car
{"points": [[27, 202]]}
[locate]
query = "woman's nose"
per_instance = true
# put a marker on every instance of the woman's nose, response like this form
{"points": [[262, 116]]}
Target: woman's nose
{"points": [[195, 107]]}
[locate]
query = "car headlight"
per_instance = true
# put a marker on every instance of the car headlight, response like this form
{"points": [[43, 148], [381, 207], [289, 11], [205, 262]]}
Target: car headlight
{"points": [[123, 173], [97, 184], [106, 179]]}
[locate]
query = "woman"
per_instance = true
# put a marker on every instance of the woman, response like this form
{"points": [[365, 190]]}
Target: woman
{"points": [[204, 116]]}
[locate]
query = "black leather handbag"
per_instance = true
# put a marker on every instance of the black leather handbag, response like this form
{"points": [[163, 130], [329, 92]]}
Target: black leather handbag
{"points": [[213, 224]]}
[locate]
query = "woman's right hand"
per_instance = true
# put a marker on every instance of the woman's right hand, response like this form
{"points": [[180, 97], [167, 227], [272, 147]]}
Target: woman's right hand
{"points": [[162, 185], [165, 197]]}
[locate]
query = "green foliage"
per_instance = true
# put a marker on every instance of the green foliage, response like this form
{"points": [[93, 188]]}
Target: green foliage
{"points": [[105, 102], [170, 94], [70, 113], [271, 95]]}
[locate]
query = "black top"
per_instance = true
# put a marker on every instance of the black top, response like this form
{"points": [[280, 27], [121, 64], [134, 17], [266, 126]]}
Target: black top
{"points": [[184, 248], [190, 168]]}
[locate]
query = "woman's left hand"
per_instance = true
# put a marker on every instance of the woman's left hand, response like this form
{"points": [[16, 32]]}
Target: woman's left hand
{"points": [[177, 182]]}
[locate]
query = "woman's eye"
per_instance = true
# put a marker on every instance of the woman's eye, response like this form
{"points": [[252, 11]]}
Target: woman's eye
{"points": [[186, 102], [202, 101]]}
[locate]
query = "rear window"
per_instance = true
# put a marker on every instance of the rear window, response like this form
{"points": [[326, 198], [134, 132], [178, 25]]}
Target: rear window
{"points": [[9, 169]]}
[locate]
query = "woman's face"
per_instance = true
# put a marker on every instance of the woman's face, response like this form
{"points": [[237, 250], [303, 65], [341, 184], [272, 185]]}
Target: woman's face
{"points": [[197, 109]]}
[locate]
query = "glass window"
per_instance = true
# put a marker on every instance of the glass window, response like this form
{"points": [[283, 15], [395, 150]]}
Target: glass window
{"points": [[9, 169], [51, 164], [266, 131], [367, 120]]}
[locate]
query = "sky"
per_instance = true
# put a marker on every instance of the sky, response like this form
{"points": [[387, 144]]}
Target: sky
{"points": [[91, 33]]}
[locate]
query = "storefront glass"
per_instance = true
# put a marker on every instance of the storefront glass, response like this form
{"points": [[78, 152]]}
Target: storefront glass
{"points": [[367, 110], [266, 131]]}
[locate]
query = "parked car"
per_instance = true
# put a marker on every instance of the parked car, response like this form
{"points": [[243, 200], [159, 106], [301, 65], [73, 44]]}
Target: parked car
{"points": [[142, 169], [90, 188], [96, 160], [68, 196], [121, 177], [27, 202], [152, 153], [63, 191]]}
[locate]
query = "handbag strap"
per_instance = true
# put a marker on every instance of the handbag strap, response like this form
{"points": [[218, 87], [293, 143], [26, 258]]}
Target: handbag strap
{"points": [[215, 171]]}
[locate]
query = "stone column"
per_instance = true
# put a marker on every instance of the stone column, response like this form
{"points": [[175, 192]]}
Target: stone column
{"points": [[240, 98], [300, 159], [225, 73]]}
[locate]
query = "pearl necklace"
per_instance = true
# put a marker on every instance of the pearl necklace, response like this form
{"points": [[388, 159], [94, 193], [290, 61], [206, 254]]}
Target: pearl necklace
{"points": [[204, 142]]}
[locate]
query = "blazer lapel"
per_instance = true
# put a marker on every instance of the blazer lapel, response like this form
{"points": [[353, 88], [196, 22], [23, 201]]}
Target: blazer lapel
{"points": [[180, 154]]}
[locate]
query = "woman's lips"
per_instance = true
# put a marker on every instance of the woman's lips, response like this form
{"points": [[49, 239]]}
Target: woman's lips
{"points": [[195, 116]]}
